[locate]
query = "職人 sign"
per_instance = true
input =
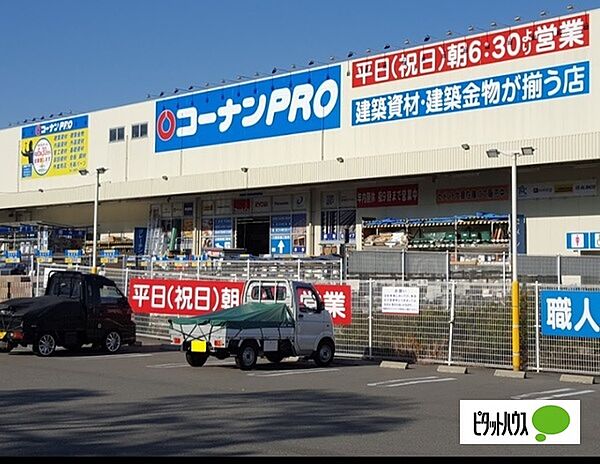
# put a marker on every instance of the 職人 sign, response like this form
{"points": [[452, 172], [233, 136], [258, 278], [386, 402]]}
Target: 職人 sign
{"points": [[55, 148], [570, 313]]}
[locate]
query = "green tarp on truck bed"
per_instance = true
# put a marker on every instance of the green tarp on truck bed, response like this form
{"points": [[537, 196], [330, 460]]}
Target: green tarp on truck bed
{"points": [[246, 316]]}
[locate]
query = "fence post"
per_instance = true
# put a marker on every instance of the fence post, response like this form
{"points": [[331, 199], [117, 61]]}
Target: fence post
{"points": [[451, 321], [198, 269], [537, 326], [37, 280], [341, 270], [403, 265], [298, 276], [248, 269], [504, 274], [558, 270], [127, 281], [370, 318], [151, 268]]}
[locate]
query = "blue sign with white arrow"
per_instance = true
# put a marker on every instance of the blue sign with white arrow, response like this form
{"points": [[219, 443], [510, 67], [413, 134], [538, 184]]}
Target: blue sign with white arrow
{"points": [[281, 234]]}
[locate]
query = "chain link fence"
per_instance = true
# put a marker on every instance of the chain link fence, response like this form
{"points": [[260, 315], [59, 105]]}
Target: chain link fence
{"points": [[556, 353], [458, 322]]}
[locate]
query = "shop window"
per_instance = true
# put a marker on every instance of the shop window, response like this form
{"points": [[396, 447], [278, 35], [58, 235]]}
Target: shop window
{"points": [[139, 130], [116, 134]]}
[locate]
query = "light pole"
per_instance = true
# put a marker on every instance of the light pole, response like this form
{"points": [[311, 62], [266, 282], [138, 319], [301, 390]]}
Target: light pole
{"points": [[85, 172], [494, 153]]}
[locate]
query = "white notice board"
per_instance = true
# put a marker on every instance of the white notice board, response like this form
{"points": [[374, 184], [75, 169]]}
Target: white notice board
{"points": [[400, 300]]}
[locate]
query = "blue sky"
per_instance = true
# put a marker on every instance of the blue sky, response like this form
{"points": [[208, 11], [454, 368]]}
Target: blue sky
{"points": [[79, 55]]}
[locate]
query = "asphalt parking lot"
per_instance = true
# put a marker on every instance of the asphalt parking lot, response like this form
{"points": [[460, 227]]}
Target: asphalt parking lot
{"points": [[148, 401]]}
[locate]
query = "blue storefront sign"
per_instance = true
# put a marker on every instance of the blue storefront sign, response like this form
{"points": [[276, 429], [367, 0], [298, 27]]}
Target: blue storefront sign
{"points": [[109, 256], [223, 232], [289, 104], [43, 256], [570, 313], [139, 240], [281, 234], [507, 89], [73, 256]]}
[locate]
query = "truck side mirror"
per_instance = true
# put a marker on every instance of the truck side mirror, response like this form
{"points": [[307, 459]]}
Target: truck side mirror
{"points": [[320, 306]]}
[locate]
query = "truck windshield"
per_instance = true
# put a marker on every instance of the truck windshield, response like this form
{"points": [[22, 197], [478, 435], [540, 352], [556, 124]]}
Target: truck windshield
{"points": [[68, 286]]}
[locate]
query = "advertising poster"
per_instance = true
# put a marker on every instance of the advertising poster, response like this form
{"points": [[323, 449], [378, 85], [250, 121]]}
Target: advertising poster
{"points": [[56, 148]]}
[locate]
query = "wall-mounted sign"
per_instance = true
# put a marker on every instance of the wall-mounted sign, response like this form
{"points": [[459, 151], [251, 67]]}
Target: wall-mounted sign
{"points": [[223, 235], [208, 207], [570, 313], [396, 195], [554, 35], [282, 203], [188, 209], [347, 198], [292, 104], [330, 200], [583, 240], [44, 256], [299, 202], [281, 234], [467, 194], [223, 206], [400, 300], [242, 205], [564, 189], [488, 92], [177, 210], [55, 148], [261, 205]]}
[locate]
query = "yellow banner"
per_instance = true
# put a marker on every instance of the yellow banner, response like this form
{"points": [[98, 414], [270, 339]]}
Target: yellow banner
{"points": [[55, 148]]}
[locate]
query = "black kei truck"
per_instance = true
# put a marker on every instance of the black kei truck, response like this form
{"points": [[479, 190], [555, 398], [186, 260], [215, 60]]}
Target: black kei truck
{"points": [[77, 309]]}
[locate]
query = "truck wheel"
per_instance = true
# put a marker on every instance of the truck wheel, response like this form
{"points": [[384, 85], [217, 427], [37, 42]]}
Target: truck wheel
{"points": [[274, 357], [45, 345], [196, 359], [8, 348], [247, 356], [112, 342], [324, 354]]}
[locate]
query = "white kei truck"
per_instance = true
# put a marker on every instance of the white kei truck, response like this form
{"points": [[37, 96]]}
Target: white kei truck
{"points": [[278, 319]]}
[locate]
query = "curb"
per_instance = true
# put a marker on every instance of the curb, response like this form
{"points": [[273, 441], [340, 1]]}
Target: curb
{"points": [[394, 364], [510, 374], [586, 379], [453, 369]]}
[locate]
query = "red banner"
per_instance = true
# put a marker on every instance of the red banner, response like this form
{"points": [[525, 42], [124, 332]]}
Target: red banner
{"points": [[555, 35], [183, 297], [196, 297], [398, 195], [466, 194], [338, 301]]}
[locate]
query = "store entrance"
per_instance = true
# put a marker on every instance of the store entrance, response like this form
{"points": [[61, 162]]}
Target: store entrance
{"points": [[253, 235]]}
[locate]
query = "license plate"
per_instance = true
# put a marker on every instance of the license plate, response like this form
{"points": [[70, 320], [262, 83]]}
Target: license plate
{"points": [[2, 334], [199, 346]]}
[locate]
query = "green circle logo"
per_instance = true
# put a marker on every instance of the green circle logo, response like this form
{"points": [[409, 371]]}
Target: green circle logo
{"points": [[550, 420]]}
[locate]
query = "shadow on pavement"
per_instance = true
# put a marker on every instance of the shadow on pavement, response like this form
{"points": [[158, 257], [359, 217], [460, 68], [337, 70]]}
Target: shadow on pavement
{"points": [[82, 422]]}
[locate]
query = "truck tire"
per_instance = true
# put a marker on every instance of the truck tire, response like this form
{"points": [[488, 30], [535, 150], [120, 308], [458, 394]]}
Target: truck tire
{"points": [[8, 348], [247, 356], [324, 353], [274, 357], [196, 359], [45, 345], [112, 342]]}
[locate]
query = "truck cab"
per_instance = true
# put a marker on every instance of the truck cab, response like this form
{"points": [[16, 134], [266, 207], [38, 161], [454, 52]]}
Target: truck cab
{"points": [[76, 309]]}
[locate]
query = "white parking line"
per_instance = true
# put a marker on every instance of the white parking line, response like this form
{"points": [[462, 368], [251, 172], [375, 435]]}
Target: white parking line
{"points": [[404, 384], [107, 356], [290, 372], [527, 395], [562, 395], [168, 365], [375, 384]]}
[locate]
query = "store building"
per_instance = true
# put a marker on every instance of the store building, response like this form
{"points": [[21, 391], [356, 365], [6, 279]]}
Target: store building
{"points": [[303, 162]]}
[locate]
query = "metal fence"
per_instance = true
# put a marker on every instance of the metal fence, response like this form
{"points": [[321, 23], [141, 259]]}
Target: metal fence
{"points": [[459, 322], [555, 353], [475, 267]]}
